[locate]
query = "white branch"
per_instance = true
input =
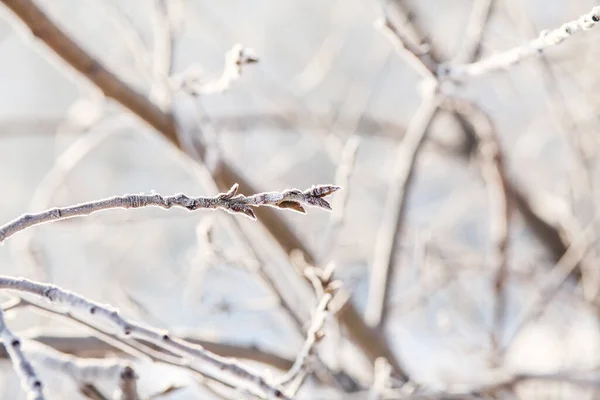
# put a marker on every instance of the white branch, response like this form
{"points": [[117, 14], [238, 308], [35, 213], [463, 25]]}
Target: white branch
{"points": [[312, 338], [191, 80], [513, 56], [86, 370], [29, 379], [109, 316], [292, 199]]}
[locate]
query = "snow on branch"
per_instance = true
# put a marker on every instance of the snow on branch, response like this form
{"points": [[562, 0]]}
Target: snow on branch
{"points": [[513, 56], [231, 202], [29, 378], [107, 315]]}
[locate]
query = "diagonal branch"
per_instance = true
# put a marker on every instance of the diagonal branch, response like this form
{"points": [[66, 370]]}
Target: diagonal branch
{"points": [[125, 328], [517, 54], [391, 227]]}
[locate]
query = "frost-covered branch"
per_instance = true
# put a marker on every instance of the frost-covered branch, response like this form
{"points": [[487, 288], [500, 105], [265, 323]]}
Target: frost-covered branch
{"points": [[517, 54], [29, 379], [86, 370], [191, 80], [107, 315], [292, 199]]}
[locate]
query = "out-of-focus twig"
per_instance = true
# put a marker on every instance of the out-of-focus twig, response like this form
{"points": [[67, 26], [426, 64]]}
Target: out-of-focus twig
{"points": [[381, 379], [391, 226], [325, 288], [162, 53], [496, 180], [550, 288], [414, 56], [513, 56], [111, 85], [235, 59], [475, 30], [342, 179]]}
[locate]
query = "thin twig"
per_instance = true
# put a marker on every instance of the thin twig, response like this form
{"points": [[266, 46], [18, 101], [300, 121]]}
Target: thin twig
{"points": [[513, 56], [414, 56], [391, 226], [496, 180], [31, 383], [312, 338], [475, 30], [162, 53], [107, 315], [235, 59], [559, 274], [342, 179], [231, 202]]}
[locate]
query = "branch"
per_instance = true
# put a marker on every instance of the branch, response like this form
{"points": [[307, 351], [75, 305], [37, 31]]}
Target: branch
{"points": [[421, 61], [326, 288], [475, 30], [292, 199], [92, 346], [86, 370], [498, 187], [391, 226], [513, 56], [29, 380], [42, 27], [108, 316]]}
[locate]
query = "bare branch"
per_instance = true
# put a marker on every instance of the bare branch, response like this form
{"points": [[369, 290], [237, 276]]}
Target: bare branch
{"points": [[44, 29], [480, 14], [29, 379], [381, 379], [292, 199], [513, 56], [498, 187], [326, 288], [109, 316], [391, 226], [414, 56]]}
